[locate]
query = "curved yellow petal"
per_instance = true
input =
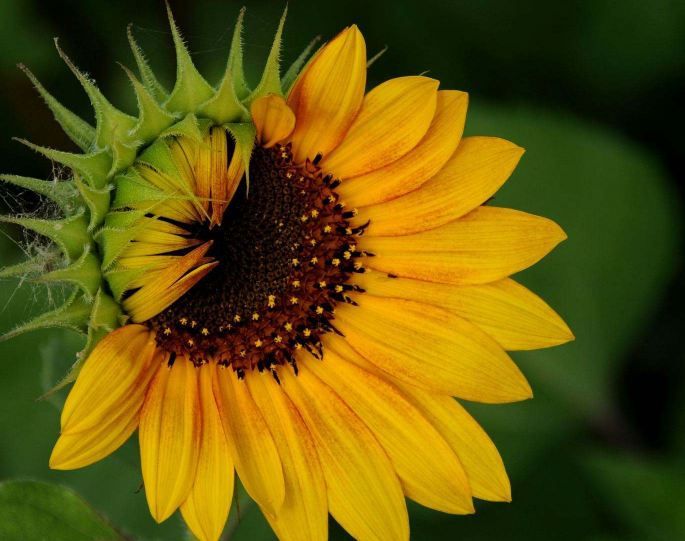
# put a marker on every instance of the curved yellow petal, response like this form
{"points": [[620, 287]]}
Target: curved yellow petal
{"points": [[328, 94], [250, 442], [364, 494], [485, 245], [304, 514], [475, 171], [207, 506], [430, 347], [477, 454], [170, 284], [394, 117], [514, 316], [430, 472], [169, 437], [273, 119], [423, 162], [114, 377]]}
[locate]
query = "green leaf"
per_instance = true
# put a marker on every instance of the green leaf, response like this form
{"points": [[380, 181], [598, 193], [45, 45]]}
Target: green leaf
{"points": [[35, 511]]}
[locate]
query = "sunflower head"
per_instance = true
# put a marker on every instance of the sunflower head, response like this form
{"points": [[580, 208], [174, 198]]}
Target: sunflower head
{"points": [[290, 282]]}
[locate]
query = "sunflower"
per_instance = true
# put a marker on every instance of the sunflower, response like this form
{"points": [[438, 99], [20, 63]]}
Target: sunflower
{"points": [[291, 283]]}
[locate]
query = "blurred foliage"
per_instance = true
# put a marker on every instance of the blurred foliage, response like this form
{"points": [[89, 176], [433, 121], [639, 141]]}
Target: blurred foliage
{"points": [[592, 90]]}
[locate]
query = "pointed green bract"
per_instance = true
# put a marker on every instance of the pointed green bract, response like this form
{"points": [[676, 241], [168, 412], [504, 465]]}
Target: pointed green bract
{"points": [[94, 167], [70, 234], [146, 74], [77, 129], [270, 83], [111, 122], [60, 192], [235, 59], [244, 135], [84, 273], [190, 90], [74, 314], [29, 267], [296, 67], [152, 117], [120, 279], [97, 200], [123, 155]]}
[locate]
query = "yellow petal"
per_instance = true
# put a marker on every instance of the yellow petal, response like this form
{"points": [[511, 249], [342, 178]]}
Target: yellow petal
{"points": [[328, 94], [250, 442], [169, 286], [364, 494], [430, 472], [273, 119], [206, 508], [485, 245], [394, 117], [474, 448], [416, 167], [116, 372], [514, 316], [219, 171], [169, 437], [430, 347], [476, 171], [304, 514]]}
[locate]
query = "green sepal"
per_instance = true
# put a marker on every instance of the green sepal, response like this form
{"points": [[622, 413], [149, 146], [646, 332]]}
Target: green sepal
{"points": [[60, 192], [97, 200], [29, 267], [152, 117], [297, 66], [186, 127], [235, 59], [70, 234], [146, 74], [77, 129], [270, 83], [244, 134], [111, 123], [123, 155], [225, 106], [120, 228], [73, 314], [84, 272], [94, 167], [190, 90], [132, 189], [119, 280]]}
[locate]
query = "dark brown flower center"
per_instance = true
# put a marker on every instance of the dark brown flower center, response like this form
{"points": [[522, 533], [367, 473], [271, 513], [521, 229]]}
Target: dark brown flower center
{"points": [[286, 251]]}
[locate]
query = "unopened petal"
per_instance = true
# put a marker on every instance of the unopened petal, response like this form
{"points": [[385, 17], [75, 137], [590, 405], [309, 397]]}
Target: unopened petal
{"points": [[273, 119]]}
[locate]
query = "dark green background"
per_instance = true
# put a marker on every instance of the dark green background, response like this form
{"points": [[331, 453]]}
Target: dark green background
{"points": [[593, 90]]}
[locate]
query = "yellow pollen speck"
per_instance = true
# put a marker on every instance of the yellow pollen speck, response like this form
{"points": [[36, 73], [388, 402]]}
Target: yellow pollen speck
{"points": [[347, 254], [278, 339], [272, 301], [314, 213], [335, 262], [312, 242], [348, 230], [319, 310], [243, 353], [342, 204], [338, 288], [298, 345], [296, 284], [284, 154], [289, 174], [314, 260], [322, 284], [255, 316], [294, 300], [355, 212], [205, 331], [183, 321], [296, 262], [327, 229], [236, 318], [288, 327], [191, 342], [193, 324], [357, 265], [258, 343], [167, 331], [307, 332], [304, 218], [353, 247]]}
